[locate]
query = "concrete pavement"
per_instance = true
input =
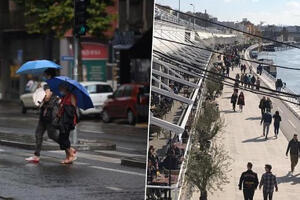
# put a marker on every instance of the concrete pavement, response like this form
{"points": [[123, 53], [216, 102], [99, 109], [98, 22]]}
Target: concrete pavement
{"points": [[242, 138]]}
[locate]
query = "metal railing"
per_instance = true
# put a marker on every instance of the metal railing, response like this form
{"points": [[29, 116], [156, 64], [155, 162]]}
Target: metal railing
{"points": [[271, 79]]}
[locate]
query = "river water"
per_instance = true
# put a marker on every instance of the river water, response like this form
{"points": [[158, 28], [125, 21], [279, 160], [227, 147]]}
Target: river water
{"points": [[289, 58]]}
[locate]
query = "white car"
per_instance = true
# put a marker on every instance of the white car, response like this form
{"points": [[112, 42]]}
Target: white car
{"points": [[27, 99], [99, 91]]}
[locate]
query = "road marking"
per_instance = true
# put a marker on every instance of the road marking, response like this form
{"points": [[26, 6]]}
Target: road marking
{"points": [[1, 150], [131, 149], [118, 170], [291, 123], [114, 189], [90, 131]]}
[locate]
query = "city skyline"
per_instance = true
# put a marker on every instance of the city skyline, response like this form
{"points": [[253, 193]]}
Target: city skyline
{"points": [[257, 11]]}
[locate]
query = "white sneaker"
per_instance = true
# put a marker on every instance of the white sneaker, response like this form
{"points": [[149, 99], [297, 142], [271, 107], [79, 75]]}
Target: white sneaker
{"points": [[33, 159]]}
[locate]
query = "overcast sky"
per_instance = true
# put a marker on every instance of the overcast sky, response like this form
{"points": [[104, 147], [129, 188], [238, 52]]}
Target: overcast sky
{"points": [[278, 12]]}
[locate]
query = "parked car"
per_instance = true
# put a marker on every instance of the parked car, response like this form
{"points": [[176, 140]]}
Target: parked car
{"points": [[99, 92], [26, 99], [129, 101]]}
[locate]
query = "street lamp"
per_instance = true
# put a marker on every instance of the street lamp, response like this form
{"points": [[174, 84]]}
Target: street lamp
{"points": [[178, 10], [194, 14]]}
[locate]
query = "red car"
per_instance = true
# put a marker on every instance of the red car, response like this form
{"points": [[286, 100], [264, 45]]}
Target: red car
{"points": [[129, 101]]}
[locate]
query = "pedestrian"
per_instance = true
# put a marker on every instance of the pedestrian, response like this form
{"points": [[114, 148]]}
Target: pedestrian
{"points": [[241, 101], [249, 181], [268, 104], [227, 70], [242, 79], [153, 157], [257, 83], [242, 68], [249, 81], [48, 110], [277, 120], [253, 81], [67, 120], [268, 182], [262, 105], [245, 80], [237, 77], [278, 85], [250, 69], [259, 69], [233, 100], [266, 120], [294, 149]]}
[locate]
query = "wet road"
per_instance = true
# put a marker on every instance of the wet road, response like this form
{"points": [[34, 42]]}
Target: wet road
{"points": [[92, 176]]}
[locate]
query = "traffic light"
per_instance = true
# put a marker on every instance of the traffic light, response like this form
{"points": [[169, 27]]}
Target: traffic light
{"points": [[80, 15]]}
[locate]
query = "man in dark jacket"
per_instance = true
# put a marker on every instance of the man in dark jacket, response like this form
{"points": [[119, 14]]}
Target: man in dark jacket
{"points": [[278, 84], [294, 149], [268, 104], [249, 181], [266, 120], [262, 106]]}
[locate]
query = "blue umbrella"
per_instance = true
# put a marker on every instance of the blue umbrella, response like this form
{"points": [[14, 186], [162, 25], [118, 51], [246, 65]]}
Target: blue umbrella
{"points": [[82, 96], [37, 67]]}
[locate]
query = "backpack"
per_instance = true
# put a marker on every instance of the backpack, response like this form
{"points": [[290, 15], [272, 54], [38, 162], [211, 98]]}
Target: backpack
{"points": [[49, 110]]}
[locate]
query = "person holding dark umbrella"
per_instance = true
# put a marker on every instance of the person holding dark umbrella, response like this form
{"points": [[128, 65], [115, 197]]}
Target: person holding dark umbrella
{"points": [[73, 96], [68, 120]]}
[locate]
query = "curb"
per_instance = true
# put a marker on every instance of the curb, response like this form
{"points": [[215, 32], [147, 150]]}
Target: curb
{"points": [[138, 162], [54, 147]]}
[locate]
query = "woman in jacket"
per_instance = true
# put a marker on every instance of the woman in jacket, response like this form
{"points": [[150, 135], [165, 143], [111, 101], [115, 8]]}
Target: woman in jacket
{"points": [[241, 101], [277, 120], [67, 122]]}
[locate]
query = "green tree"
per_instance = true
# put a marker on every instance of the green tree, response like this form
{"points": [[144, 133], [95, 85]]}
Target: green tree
{"points": [[214, 85], [207, 170], [54, 17]]}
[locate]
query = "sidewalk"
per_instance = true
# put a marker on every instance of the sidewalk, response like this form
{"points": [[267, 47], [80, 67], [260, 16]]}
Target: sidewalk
{"points": [[242, 138]]}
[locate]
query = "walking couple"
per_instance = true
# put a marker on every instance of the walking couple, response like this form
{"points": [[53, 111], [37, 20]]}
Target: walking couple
{"points": [[249, 183], [237, 99], [57, 117]]}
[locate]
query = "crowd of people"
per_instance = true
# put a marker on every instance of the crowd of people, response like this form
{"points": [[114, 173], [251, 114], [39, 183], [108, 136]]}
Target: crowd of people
{"points": [[249, 180]]}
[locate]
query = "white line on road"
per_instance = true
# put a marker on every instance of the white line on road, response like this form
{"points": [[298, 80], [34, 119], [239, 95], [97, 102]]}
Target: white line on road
{"points": [[118, 170], [115, 189], [291, 123], [1, 150]]}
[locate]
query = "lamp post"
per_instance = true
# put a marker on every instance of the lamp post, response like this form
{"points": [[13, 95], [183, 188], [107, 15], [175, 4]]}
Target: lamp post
{"points": [[194, 14], [178, 10]]}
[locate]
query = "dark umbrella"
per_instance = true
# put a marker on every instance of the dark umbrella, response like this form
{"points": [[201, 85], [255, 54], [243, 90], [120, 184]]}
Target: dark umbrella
{"points": [[82, 96]]}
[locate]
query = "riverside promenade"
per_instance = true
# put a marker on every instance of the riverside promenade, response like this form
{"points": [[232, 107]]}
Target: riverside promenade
{"points": [[242, 138]]}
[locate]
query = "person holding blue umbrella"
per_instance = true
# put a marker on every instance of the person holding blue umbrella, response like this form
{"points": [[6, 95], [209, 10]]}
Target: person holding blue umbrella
{"points": [[49, 106], [67, 120], [73, 96], [48, 110]]}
